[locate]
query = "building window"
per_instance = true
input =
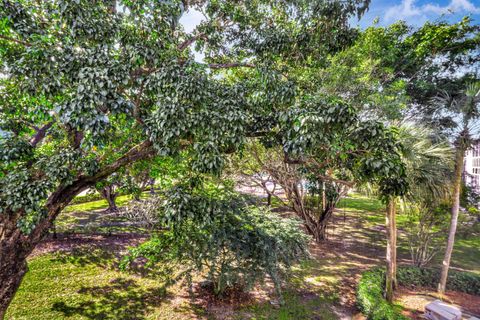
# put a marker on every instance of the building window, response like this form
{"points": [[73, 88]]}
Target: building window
{"points": [[476, 151]]}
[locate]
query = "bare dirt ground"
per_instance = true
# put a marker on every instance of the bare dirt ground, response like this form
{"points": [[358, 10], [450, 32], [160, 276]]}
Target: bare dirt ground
{"points": [[70, 242]]}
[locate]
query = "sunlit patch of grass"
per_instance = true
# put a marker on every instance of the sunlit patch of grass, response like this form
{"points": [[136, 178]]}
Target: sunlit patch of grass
{"points": [[87, 285], [89, 217], [101, 204], [358, 202], [466, 254]]}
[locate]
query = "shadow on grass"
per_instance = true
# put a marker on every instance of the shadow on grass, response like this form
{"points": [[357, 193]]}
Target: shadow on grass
{"points": [[87, 255], [122, 299], [298, 306]]}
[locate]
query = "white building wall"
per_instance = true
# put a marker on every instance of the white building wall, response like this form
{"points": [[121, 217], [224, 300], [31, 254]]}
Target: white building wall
{"points": [[472, 167]]}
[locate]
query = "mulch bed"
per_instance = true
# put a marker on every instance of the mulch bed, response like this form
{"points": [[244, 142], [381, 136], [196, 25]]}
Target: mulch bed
{"points": [[415, 300], [69, 242]]}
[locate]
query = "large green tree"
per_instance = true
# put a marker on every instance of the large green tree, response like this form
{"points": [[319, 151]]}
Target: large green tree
{"points": [[88, 87], [395, 73]]}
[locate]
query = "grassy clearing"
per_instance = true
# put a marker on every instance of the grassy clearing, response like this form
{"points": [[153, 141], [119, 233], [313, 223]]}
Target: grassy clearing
{"points": [[101, 204], [89, 217], [466, 254]]}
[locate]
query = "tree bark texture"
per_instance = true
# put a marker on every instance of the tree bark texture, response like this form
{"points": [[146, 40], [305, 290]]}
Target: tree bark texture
{"points": [[459, 156], [391, 254]]}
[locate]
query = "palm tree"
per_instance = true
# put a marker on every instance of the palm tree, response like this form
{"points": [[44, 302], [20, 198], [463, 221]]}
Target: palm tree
{"points": [[426, 163], [467, 108]]}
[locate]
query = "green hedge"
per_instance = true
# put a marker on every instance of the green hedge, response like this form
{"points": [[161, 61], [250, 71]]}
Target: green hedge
{"points": [[410, 276], [370, 297], [371, 286]]}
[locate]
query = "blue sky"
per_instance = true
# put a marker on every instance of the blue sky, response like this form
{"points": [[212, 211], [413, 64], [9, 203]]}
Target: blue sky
{"points": [[417, 12], [414, 12]]}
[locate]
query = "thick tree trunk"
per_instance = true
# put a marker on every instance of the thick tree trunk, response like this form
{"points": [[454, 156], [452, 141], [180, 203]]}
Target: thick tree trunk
{"points": [[14, 267], [112, 206], [320, 233], [315, 227], [13, 253], [152, 186], [109, 194], [460, 154], [15, 246], [391, 256]]}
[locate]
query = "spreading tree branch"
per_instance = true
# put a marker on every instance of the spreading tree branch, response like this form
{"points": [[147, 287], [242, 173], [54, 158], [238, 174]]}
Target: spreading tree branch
{"points": [[230, 65], [40, 133], [61, 197], [182, 46], [26, 44]]}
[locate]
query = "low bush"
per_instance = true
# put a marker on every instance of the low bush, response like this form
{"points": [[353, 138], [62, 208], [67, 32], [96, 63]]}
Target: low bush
{"points": [[235, 245], [370, 289], [370, 297]]}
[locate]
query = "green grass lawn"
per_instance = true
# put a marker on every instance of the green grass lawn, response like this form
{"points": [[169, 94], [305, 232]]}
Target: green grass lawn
{"points": [[86, 285], [102, 204], [89, 217], [466, 254], [294, 308]]}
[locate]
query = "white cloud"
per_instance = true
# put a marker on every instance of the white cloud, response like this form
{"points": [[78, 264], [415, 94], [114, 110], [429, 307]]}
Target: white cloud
{"points": [[456, 6], [191, 19], [408, 10]]}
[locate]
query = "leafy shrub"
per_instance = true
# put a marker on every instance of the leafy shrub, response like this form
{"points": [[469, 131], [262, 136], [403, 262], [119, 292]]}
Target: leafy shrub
{"points": [[234, 244], [411, 276], [370, 289], [370, 297], [426, 230], [143, 213]]}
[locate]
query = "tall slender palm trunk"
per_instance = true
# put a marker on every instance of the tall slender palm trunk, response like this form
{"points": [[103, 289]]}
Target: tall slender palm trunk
{"points": [[459, 156], [391, 256]]}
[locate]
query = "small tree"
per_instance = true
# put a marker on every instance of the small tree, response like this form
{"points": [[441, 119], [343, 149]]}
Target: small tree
{"points": [[426, 231], [110, 189], [234, 244]]}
